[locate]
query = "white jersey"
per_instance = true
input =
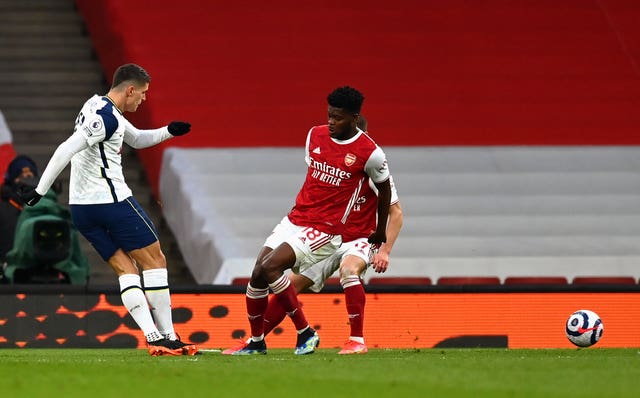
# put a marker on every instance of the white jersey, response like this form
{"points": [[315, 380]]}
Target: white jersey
{"points": [[96, 172], [94, 150]]}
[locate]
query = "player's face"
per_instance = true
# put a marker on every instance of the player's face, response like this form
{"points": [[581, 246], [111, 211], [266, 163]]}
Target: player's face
{"points": [[135, 96], [342, 124]]}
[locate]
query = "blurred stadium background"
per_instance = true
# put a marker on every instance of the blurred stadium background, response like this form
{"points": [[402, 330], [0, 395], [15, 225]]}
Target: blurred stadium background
{"points": [[511, 127]]}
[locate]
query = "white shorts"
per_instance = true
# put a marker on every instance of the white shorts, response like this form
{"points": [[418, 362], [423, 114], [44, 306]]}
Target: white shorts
{"points": [[321, 271], [310, 245]]}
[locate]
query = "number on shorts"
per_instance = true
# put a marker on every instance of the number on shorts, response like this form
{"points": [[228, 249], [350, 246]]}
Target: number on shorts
{"points": [[311, 233]]}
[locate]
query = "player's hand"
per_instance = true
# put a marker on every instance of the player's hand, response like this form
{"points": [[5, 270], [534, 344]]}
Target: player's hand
{"points": [[380, 261], [28, 195], [377, 238], [179, 128]]}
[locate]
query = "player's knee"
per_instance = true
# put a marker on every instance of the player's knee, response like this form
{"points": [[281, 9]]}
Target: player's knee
{"points": [[349, 270], [267, 267], [257, 280]]}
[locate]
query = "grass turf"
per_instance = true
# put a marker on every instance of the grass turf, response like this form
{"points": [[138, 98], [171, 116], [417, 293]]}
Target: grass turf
{"points": [[92, 373]]}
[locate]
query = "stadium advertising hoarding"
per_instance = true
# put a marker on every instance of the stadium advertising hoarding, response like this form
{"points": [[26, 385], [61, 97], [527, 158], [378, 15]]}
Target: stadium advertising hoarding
{"points": [[393, 320]]}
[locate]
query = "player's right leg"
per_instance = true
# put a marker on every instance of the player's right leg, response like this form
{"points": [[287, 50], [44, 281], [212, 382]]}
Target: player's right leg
{"points": [[310, 247], [256, 299], [257, 295]]}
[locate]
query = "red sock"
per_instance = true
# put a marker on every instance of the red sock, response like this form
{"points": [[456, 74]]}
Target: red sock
{"points": [[274, 315], [286, 296], [256, 300], [355, 299]]}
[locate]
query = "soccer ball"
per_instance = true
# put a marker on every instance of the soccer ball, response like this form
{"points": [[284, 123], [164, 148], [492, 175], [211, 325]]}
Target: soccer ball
{"points": [[584, 328]]}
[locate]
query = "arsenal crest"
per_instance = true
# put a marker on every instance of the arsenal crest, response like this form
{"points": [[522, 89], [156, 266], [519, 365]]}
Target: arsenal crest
{"points": [[349, 159]]}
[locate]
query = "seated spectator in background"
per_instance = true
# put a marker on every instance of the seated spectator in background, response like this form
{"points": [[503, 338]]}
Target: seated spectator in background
{"points": [[46, 247], [37, 244], [22, 170]]}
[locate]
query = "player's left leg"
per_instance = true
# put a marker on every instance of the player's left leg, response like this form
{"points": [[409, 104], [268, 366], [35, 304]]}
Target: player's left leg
{"points": [[156, 289], [351, 268], [274, 314]]}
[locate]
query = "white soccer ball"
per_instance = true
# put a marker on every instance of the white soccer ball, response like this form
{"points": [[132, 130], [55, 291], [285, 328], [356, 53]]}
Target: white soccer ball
{"points": [[584, 328]]}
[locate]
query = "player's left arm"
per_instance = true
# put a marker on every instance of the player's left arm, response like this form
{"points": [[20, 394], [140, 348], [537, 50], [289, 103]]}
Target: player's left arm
{"points": [[378, 170], [137, 138]]}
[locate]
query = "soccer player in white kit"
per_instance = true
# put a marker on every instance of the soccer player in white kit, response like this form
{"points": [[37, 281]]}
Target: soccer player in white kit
{"points": [[104, 210], [340, 157]]}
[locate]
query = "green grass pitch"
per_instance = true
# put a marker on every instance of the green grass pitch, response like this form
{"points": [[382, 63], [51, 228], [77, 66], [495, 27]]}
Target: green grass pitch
{"points": [[93, 373]]}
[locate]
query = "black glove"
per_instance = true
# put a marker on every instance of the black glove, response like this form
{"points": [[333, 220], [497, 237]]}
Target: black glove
{"points": [[179, 128], [28, 195]]}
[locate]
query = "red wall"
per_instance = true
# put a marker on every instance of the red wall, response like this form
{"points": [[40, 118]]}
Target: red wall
{"points": [[492, 72]]}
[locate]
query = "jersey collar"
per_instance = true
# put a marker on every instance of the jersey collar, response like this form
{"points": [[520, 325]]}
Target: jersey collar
{"points": [[113, 103]]}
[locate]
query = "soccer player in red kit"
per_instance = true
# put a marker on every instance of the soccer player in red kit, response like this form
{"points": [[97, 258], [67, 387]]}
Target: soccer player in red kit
{"points": [[340, 158], [353, 258]]}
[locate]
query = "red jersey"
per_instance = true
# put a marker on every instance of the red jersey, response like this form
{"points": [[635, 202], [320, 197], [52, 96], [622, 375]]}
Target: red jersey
{"points": [[336, 173], [364, 215]]}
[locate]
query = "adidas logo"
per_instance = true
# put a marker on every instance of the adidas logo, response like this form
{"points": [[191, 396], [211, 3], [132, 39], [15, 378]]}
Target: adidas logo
{"points": [[317, 151]]}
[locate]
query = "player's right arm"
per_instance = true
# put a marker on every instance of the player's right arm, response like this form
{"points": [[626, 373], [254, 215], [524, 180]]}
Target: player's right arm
{"points": [[89, 129], [380, 261], [60, 159]]}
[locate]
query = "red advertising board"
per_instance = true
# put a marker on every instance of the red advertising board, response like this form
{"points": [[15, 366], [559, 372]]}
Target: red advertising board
{"points": [[393, 320]]}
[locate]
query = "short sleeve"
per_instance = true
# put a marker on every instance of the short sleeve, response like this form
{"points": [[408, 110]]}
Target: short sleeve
{"points": [[394, 191], [307, 157], [376, 166]]}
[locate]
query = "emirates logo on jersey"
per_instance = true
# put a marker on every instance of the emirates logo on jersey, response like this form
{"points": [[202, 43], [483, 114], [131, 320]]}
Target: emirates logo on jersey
{"points": [[349, 159]]}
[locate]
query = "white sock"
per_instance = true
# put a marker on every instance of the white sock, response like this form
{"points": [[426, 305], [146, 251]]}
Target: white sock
{"points": [[256, 339], [156, 288], [135, 302]]}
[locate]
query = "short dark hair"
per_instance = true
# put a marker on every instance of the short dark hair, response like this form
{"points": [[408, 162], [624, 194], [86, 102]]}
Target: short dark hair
{"points": [[130, 72], [347, 98]]}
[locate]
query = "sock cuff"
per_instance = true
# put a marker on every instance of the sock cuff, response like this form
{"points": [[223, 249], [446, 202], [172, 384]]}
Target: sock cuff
{"points": [[128, 281], [280, 284], [256, 293], [351, 280], [157, 277]]}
